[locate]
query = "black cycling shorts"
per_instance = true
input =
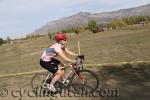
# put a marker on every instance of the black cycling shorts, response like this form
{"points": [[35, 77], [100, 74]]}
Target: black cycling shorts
{"points": [[51, 66]]}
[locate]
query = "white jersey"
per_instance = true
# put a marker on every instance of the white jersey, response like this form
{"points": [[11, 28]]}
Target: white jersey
{"points": [[52, 51]]}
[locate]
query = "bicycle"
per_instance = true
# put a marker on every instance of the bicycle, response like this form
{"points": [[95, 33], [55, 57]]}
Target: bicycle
{"points": [[75, 81]]}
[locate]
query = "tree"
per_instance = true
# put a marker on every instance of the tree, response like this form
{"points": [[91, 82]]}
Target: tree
{"points": [[117, 24], [92, 25], [8, 39], [28, 37], [1, 41]]}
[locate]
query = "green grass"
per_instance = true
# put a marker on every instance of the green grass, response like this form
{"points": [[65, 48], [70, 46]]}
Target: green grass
{"points": [[126, 44]]}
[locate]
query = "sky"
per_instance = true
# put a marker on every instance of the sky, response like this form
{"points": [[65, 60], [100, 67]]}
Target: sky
{"points": [[21, 17]]}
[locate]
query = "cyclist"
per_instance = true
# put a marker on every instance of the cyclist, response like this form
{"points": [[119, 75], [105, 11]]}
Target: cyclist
{"points": [[53, 65]]}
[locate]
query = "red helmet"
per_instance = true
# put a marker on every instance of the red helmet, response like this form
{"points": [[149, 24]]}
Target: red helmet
{"points": [[60, 36]]}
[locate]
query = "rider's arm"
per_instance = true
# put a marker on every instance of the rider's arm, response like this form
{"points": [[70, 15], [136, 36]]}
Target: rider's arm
{"points": [[70, 52], [62, 55]]}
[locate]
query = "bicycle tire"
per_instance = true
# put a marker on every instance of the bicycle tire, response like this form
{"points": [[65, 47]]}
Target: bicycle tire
{"points": [[39, 79], [76, 87]]}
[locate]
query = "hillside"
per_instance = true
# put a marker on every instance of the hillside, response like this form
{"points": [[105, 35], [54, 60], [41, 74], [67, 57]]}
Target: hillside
{"points": [[127, 44], [81, 19]]}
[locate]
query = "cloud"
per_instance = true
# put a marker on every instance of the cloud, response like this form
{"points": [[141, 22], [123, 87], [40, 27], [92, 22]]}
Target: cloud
{"points": [[24, 16], [34, 6]]}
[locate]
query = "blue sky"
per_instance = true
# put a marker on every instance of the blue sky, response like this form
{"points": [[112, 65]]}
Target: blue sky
{"points": [[21, 17]]}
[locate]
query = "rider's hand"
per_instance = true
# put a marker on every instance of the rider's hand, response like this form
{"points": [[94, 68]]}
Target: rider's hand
{"points": [[81, 57], [74, 63]]}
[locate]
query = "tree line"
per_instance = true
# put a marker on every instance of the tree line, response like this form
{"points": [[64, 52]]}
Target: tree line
{"points": [[118, 23], [2, 41], [129, 21], [94, 27]]}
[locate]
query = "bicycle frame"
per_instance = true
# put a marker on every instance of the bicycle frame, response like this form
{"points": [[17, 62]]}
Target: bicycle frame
{"points": [[70, 74]]}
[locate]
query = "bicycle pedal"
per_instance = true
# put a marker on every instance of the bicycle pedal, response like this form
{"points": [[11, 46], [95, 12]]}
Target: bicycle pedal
{"points": [[45, 85], [58, 89]]}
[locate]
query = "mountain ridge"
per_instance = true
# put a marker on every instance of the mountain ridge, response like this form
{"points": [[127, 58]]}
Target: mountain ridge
{"points": [[81, 19]]}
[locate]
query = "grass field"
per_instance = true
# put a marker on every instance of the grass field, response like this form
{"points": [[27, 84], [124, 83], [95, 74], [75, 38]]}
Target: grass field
{"points": [[127, 44]]}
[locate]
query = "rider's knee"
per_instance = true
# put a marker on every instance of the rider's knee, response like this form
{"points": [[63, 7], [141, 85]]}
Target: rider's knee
{"points": [[60, 72], [63, 72]]}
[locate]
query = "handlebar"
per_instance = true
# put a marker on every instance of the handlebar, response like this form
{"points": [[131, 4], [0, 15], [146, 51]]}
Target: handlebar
{"points": [[78, 60], [78, 64]]}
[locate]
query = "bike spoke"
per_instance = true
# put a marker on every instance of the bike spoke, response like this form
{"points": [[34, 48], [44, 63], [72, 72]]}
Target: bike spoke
{"points": [[90, 83]]}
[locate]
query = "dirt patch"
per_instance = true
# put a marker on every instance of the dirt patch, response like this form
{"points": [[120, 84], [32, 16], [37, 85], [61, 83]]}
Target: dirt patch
{"points": [[130, 82]]}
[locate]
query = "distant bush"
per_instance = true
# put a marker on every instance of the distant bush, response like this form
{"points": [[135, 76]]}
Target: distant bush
{"points": [[4, 41], [128, 21], [1, 41], [73, 30], [117, 24], [8, 40], [33, 36], [92, 25], [136, 19]]}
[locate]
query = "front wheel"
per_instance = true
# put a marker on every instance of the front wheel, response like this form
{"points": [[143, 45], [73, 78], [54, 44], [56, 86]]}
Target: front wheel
{"points": [[91, 82]]}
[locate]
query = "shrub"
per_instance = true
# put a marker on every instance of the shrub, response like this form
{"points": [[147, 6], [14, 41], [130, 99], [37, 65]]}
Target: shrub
{"points": [[92, 25], [1, 41]]}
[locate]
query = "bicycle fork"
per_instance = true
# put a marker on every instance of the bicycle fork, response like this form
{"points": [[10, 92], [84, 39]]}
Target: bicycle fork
{"points": [[80, 77]]}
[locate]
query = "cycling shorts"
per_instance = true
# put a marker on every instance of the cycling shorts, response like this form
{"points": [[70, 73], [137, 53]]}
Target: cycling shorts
{"points": [[51, 66]]}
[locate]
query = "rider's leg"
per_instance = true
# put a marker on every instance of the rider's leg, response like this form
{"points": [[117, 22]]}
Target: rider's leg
{"points": [[58, 75], [53, 66]]}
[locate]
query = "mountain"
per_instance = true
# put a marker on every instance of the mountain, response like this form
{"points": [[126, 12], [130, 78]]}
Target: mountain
{"points": [[81, 19]]}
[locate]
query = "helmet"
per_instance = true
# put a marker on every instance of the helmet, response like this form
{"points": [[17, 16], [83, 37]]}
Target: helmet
{"points": [[60, 36]]}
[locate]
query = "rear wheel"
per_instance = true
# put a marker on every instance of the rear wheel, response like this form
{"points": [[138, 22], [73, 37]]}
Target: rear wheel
{"points": [[38, 79], [91, 82]]}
